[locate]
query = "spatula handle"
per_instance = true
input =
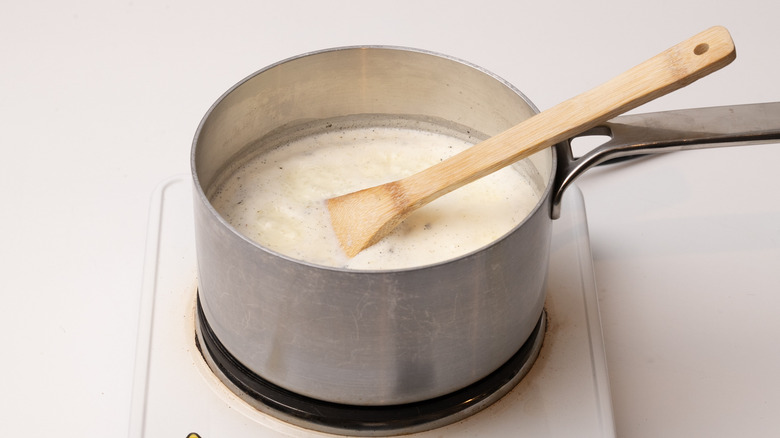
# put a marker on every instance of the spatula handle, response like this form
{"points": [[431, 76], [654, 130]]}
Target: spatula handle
{"points": [[670, 70]]}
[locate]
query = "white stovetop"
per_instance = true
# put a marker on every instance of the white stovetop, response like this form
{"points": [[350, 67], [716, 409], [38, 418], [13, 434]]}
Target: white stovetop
{"points": [[99, 102]]}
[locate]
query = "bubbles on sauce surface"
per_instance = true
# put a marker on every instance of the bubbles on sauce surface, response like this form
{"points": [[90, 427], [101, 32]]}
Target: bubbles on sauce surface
{"points": [[277, 197]]}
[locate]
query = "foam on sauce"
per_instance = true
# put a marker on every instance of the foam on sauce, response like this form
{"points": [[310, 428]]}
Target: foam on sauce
{"points": [[277, 198]]}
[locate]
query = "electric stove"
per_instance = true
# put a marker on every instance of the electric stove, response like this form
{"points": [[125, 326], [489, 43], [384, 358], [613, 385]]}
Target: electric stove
{"points": [[559, 387]]}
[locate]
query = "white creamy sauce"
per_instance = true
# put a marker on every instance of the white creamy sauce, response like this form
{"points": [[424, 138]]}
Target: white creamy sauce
{"points": [[278, 198]]}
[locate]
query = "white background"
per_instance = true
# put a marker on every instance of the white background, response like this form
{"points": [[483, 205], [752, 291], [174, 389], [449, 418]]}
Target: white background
{"points": [[99, 102]]}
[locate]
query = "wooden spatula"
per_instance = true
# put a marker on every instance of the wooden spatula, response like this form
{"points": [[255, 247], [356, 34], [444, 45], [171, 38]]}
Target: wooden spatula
{"points": [[362, 218]]}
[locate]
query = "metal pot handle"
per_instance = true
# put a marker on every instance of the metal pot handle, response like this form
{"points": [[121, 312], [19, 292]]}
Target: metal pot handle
{"points": [[668, 131]]}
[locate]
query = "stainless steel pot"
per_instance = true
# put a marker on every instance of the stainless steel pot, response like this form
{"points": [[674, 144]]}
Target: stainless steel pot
{"points": [[382, 338]]}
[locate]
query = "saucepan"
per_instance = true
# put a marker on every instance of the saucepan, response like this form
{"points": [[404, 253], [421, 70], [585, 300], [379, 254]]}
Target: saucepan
{"points": [[385, 339]]}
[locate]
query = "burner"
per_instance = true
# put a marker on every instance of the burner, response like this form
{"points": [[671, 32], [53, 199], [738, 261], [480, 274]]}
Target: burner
{"points": [[364, 420]]}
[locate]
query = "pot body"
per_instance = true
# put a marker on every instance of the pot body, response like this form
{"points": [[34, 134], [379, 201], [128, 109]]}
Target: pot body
{"points": [[373, 338]]}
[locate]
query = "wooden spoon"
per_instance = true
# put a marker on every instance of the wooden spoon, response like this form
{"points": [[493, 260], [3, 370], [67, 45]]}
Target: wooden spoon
{"points": [[362, 218]]}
